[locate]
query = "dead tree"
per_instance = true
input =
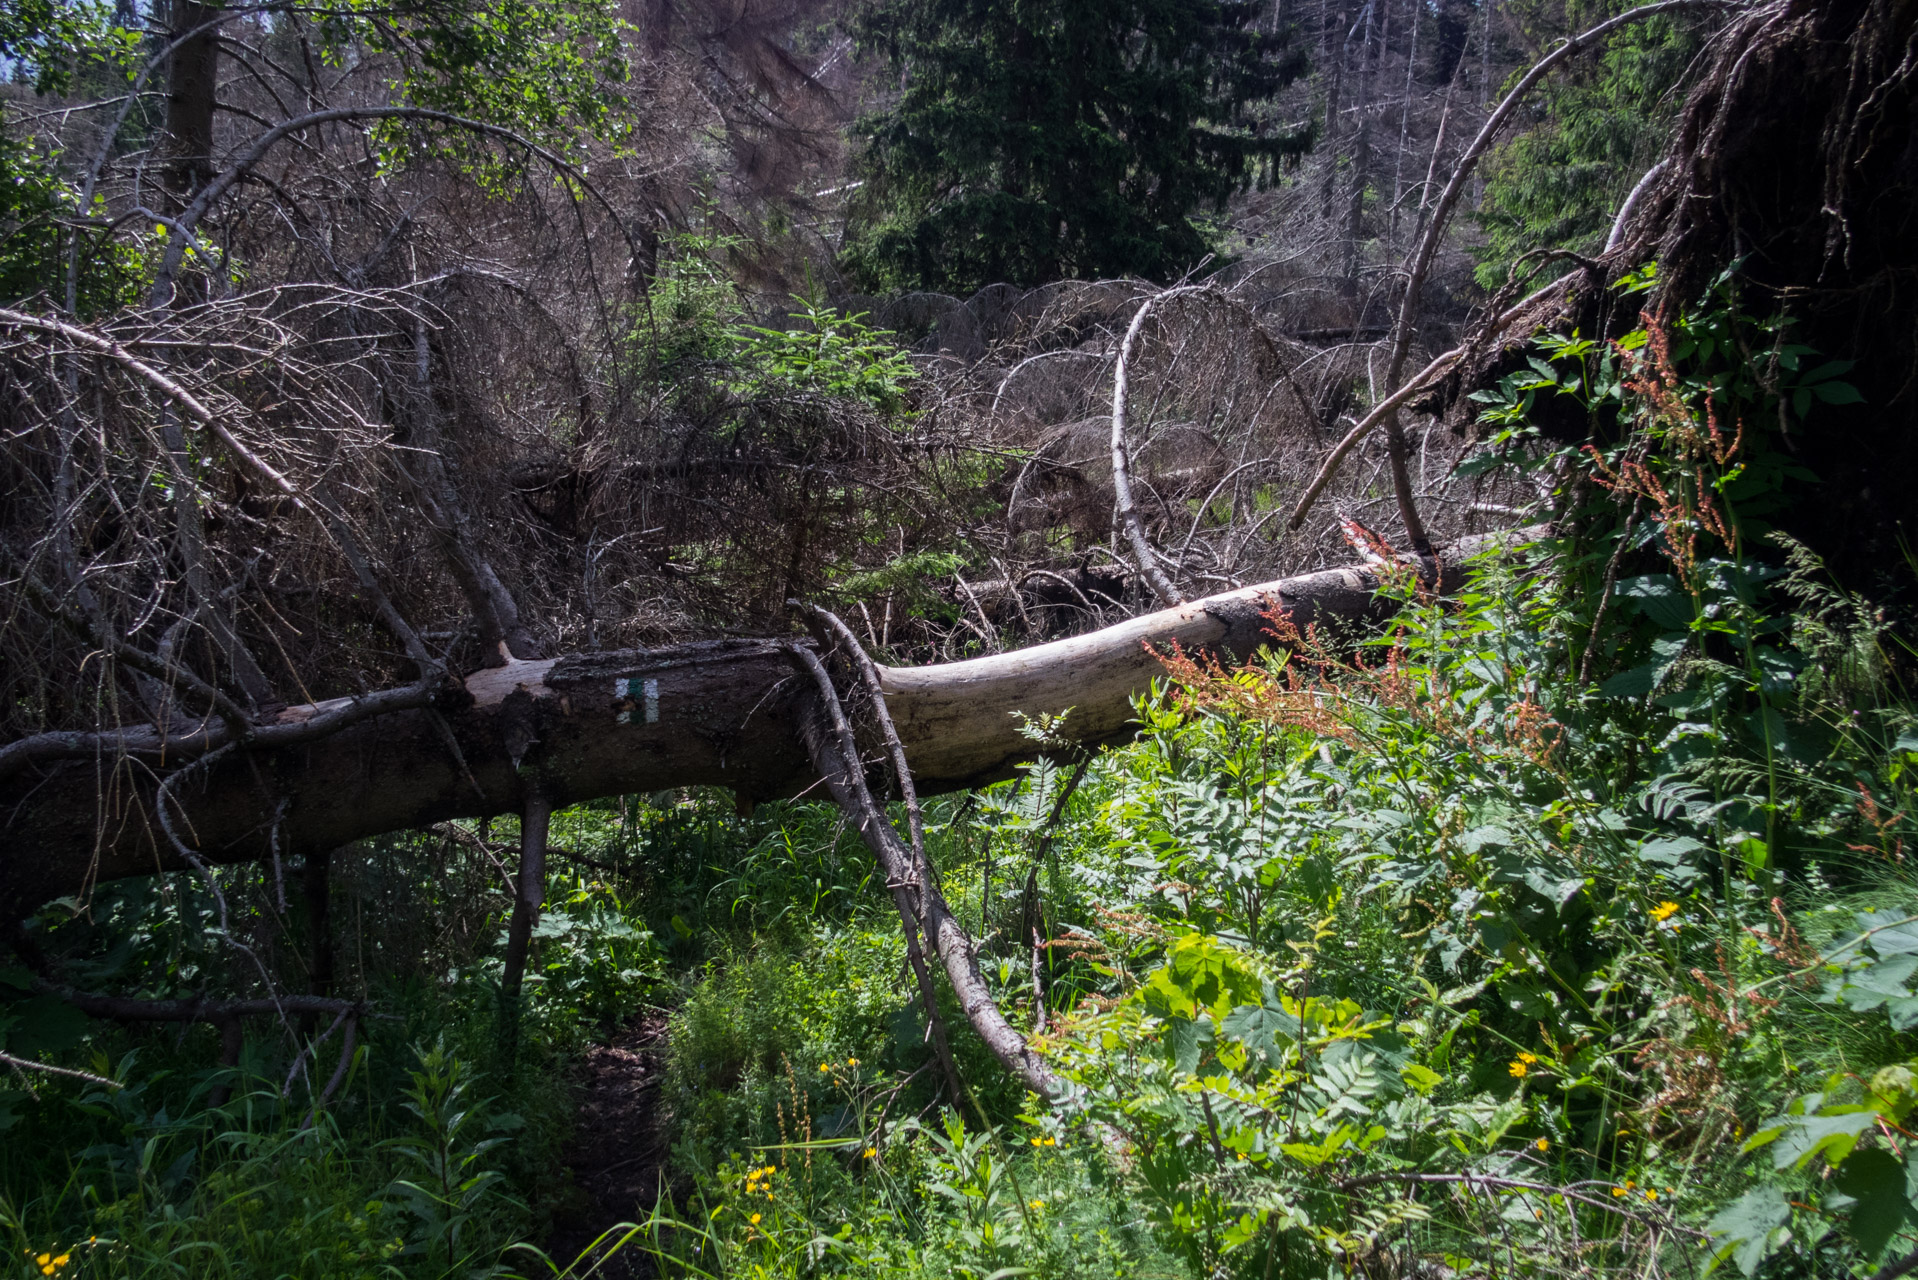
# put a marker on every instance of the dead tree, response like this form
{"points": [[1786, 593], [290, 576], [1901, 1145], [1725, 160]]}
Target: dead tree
{"points": [[717, 713]]}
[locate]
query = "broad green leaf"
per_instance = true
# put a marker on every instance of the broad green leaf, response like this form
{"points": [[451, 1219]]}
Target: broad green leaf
{"points": [[1263, 1029], [1420, 1079], [1833, 1136], [1660, 597], [1747, 1230], [1876, 1181], [1634, 682]]}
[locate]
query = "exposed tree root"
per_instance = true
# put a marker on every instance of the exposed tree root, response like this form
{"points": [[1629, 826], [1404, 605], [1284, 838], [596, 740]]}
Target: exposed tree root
{"points": [[1791, 159]]}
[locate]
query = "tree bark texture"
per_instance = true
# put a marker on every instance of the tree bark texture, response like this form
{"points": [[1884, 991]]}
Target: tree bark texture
{"points": [[192, 81], [715, 713]]}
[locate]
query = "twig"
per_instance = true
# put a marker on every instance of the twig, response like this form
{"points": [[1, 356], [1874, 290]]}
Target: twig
{"points": [[338, 1077], [161, 292], [912, 914], [24, 1064]]}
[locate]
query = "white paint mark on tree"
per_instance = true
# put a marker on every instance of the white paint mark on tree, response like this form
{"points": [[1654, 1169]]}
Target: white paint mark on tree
{"points": [[631, 691]]}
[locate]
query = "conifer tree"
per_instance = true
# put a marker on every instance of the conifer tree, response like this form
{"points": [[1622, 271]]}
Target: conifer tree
{"points": [[1035, 140], [1593, 131]]}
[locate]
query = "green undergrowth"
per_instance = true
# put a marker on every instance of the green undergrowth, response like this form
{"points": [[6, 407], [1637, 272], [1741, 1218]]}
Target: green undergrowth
{"points": [[1569, 927]]}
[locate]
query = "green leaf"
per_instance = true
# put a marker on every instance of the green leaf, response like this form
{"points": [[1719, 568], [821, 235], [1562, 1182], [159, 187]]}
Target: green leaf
{"points": [[1833, 1136], [1633, 683], [1263, 1029], [1876, 1181], [1420, 1079], [1669, 853], [1479, 463], [1896, 936], [1660, 597], [1879, 982], [1829, 369], [1184, 1038], [1748, 1230], [1317, 1153]]}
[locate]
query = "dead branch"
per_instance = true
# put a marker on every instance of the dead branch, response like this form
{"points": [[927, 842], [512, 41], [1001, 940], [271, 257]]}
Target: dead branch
{"points": [[829, 739], [911, 904], [1145, 559]]}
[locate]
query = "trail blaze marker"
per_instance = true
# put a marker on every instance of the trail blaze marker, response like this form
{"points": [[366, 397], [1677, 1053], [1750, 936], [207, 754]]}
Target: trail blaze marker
{"points": [[631, 690]]}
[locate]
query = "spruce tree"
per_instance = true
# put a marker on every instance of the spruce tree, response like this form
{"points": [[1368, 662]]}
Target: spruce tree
{"points": [[1590, 133], [1036, 140]]}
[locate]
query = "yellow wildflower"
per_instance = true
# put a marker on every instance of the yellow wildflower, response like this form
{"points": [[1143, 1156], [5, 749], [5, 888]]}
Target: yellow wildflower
{"points": [[1650, 1194], [1618, 1191], [1664, 911], [1518, 1068], [1052, 1142], [852, 1062], [1543, 1144], [754, 1219], [825, 1066], [1037, 1141], [871, 1152], [1036, 1204]]}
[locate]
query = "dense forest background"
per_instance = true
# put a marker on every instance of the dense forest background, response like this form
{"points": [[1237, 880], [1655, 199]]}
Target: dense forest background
{"points": [[383, 382]]}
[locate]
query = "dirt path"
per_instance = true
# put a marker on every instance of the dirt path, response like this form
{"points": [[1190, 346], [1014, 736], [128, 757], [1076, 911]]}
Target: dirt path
{"points": [[619, 1144]]}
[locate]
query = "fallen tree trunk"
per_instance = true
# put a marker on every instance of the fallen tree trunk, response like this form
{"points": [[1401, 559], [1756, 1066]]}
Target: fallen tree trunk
{"points": [[716, 713]]}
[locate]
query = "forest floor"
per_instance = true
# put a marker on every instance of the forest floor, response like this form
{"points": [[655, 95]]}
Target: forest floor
{"points": [[620, 1143]]}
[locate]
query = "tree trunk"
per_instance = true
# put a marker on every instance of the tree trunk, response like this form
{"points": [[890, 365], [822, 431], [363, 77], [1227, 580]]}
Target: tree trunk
{"points": [[529, 896], [717, 713], [317, 882], [192, 79]]}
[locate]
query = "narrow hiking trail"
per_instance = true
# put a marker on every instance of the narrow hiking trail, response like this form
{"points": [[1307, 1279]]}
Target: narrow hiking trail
{"points": [[619, 1145]]}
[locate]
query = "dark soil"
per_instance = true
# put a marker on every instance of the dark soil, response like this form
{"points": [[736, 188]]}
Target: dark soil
{"points": [[618, 1152]]}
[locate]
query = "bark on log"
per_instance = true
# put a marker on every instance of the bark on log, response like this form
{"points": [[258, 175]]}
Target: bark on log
{"points": [[717, 713]]}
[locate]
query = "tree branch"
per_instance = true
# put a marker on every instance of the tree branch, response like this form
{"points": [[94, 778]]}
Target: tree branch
{"points": [[829, 739], [911, 906], [1143, 555]]}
